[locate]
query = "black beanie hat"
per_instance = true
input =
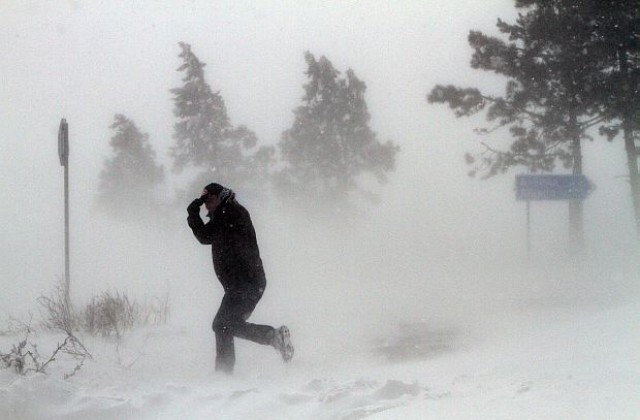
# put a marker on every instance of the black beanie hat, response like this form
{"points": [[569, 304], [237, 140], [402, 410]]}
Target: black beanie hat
{"points": [[214, 189]]}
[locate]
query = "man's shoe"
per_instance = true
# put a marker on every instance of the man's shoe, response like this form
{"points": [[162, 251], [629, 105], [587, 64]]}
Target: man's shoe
{"points": [[282, 343]]}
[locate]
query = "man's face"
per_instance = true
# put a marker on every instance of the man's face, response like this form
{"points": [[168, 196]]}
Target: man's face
{"points": [[212, 202]]}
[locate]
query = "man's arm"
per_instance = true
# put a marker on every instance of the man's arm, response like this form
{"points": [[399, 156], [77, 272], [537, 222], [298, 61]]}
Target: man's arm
{"points": [[200, 230]]}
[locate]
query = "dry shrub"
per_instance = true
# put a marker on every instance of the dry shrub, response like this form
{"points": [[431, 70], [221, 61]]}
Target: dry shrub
{"points": [[58, 315], [111, 314], [24, 357]]}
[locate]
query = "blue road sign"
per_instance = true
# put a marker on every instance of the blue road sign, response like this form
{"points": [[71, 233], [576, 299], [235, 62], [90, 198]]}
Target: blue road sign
{"points": [[552, 187]]}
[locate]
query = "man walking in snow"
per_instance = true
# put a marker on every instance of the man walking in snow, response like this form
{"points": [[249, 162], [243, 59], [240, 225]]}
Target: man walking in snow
{"points": [[237, 264]]}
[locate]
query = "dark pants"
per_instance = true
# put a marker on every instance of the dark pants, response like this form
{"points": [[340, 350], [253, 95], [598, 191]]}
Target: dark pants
{"points": [[230, 321]]}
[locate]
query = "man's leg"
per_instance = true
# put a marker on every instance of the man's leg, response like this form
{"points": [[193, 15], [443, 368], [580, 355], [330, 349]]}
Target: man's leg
{"points": [[225, 351], [230, 321], [245, 303], [280, 339]]}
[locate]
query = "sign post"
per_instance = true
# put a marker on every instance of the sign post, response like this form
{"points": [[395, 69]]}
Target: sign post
{"points": [[63, 153], [550, 188]]}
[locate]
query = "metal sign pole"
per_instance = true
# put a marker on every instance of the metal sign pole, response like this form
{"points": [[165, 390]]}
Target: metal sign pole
{"points": [[63, 152], [67, 274], [528, 228], [573, 188]]}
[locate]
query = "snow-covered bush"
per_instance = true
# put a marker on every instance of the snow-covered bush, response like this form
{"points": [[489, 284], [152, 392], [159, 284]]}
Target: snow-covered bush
{"points": [[24, 357], [16, 358], [57, 315], [111, 314]]}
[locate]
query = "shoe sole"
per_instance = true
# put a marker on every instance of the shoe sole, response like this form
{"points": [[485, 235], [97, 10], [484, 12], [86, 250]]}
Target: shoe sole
{"points": [[285, 346]]}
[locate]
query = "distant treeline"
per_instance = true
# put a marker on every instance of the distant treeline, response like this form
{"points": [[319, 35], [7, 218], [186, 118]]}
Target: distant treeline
{"points": [[320, 162]]}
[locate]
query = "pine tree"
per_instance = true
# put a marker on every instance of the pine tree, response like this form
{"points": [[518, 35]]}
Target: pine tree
{"points": [[550, 99], [616, 38], [129, 178], [204, 137], [330, 145]]}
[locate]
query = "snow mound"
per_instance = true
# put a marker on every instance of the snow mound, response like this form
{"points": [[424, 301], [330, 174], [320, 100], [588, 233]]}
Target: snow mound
{"points": [[544, 363]]}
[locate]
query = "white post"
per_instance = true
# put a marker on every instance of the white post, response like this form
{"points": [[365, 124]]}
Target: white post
{"points": [[63, 152]]}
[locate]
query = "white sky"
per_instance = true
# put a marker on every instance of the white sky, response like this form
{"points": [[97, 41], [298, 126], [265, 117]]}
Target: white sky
{"points": [[87, 60]]}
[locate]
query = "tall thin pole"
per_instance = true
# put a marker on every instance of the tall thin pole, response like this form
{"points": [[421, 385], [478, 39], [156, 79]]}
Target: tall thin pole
{"points": [[63, 153], [67, 271], [528, 228]]}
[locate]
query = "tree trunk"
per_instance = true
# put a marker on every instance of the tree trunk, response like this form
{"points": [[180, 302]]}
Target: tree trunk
{"points": [[629, 144], [634, 176], [576, 213]]}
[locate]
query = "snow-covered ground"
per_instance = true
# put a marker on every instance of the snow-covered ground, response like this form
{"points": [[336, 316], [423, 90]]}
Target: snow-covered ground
{"points": [[558, 362]]}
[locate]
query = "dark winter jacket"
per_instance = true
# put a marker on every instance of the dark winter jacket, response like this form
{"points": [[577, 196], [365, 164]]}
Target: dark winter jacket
{"points": [[234, 248]]}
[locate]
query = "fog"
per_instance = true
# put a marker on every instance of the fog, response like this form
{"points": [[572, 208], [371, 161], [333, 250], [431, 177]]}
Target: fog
{"points": [[440, 247]]}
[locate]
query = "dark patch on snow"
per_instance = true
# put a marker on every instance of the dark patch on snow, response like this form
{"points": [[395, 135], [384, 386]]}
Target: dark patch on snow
{"points": [[414, 341]]}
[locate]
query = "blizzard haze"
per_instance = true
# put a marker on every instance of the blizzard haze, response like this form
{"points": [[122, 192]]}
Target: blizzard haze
{"points": [[441, 248]]}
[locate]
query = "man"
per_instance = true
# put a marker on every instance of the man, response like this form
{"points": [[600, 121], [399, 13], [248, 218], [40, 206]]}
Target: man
{"points": [[237, 264]]}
